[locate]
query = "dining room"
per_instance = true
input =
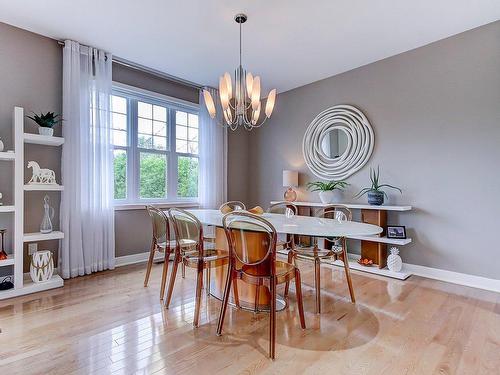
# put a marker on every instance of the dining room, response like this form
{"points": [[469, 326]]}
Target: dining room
{"points": [[241, 187]]}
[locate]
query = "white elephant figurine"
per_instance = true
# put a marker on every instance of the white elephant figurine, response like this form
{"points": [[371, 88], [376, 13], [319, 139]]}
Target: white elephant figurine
{"points": [[41, 175]]}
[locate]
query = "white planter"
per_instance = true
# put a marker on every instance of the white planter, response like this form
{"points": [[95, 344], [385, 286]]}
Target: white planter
{"points": [[326, 197], [42, 266], [46, 131], [330, 196]]}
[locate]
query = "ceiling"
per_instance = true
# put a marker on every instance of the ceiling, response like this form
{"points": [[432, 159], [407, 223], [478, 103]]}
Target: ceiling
{"points": [[288, 43]]}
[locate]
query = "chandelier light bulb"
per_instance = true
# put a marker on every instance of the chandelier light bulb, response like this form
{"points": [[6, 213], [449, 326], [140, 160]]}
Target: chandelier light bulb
{"points": [[249, 80], [209, 102], [271, 99], [229, 86], [256, 93]]}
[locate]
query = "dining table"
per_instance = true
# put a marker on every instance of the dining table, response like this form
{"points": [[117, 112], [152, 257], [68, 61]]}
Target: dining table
{"points": [[285, 225]]}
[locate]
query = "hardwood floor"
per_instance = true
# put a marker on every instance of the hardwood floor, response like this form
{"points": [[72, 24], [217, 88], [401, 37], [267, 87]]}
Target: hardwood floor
{"points": [[109, 323]]}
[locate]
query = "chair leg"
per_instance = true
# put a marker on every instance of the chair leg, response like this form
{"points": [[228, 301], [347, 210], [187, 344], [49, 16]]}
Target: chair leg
{"points": [[225, 299], [298, 292], [150, 262], [287, 285], [199, 286], [235, 293], [173, 273], [348, 272], [208, 279], [183, 271], [164, 273], [272, 330], [257, 298], [317, 283]]}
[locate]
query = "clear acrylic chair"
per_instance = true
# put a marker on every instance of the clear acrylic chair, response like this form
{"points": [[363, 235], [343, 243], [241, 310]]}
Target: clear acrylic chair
{"points": [[252, 259], [336, 248], [232, 206], [190, 251]]}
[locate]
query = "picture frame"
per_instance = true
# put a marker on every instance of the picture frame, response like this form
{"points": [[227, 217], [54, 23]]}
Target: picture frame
{"points": [[396, 231]]}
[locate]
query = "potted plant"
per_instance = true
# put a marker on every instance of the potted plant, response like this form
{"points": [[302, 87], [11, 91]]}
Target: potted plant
{"points": [[375, 192], [327, 189], [46, 122]]}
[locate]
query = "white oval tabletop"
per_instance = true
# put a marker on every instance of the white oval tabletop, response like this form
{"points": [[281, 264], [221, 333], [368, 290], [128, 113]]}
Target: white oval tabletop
{"points": [[301, 225]]}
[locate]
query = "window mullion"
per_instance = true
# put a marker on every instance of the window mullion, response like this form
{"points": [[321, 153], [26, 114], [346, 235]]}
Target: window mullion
{"points": [[172, 157], [134, 152]]}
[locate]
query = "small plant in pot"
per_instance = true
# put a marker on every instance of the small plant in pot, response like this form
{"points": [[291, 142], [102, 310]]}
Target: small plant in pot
{"points": [[375, 192], [46, 122], [327, 189]]}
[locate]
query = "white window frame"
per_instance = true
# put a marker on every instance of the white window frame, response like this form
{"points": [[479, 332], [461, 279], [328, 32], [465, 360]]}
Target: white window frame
{"points": [[133, 152]]}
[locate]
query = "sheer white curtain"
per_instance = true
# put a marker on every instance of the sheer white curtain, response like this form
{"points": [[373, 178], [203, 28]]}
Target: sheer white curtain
{"points": [[87, 216], [212, 181]]}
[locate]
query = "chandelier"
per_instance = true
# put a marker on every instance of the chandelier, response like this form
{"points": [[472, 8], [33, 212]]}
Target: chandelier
{"points": [[241, 107]]}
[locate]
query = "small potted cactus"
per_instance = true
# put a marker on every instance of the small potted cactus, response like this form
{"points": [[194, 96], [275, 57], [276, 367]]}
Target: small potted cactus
{"points": [[45, 122]]}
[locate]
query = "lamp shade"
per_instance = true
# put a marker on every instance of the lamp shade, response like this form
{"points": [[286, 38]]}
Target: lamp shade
{"points": [[290, 178]]}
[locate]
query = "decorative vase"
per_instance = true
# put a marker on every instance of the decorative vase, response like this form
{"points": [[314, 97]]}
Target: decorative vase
{"points": [[394, 262], [326, 196], [45, 131], [48, 215], [1, 145], [376, 198], [42, 266]]}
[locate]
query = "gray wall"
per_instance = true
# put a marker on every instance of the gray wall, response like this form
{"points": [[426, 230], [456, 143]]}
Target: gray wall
{"points": [[30, 71], [436, 115]]}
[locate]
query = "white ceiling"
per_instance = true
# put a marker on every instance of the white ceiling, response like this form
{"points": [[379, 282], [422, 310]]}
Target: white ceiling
{"points": [[289, 43]]}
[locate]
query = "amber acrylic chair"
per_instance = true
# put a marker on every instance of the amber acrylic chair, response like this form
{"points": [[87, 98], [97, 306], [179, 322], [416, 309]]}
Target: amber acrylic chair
{"points": [[336, 248], [289, 210], [232, 206], [252, 259], [191, 252], [160, 242]]}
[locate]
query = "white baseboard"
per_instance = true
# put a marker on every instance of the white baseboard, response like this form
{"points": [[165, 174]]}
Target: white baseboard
{"points": [[135, 258], [454, 277]]}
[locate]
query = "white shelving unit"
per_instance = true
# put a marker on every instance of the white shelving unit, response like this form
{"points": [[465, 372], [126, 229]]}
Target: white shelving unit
{"points": [[353, 258], [22, 283]]}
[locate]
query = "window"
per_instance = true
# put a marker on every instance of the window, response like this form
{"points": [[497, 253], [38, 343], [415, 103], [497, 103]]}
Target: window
{"points": [[155, 148]]}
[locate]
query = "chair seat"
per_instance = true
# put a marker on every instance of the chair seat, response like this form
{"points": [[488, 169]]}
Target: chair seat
{"points": [[212, 257], [173, 243], [315, 252]]}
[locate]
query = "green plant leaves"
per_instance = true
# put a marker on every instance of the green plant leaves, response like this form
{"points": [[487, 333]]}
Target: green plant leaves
{"points": [[47, 120], [374, 178], [327, 186]]}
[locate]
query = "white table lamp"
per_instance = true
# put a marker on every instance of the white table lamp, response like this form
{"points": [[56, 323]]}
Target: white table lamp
{"points": [[290, 180]]}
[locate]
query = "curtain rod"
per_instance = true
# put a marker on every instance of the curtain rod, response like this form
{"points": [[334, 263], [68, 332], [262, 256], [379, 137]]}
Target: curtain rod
{"points": [[145, 69]]}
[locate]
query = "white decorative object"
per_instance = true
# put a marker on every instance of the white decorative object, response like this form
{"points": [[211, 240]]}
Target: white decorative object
{"points": [[46, 131], [359, 136], [42, 266], [1, 145], [394, 262], [1, 196], [41, 175]]}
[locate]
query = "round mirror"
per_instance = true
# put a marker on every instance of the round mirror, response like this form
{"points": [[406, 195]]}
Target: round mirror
{"points": [[334, 143], [338, 142]]}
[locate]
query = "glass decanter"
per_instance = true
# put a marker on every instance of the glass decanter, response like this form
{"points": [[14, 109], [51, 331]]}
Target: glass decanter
{"points": [[48, 215]]}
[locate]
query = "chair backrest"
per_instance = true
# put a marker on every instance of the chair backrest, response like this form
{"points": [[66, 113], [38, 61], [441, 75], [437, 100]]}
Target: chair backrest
{"points": [[252, 243], [160, 222], [335, 211], [283, 208], [232, 206], [188, 229]]}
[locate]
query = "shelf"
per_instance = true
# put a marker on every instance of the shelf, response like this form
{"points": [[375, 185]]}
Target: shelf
{"points": [[389, 241], [354, 265], [7, 262], [43, 139], [43, 187], [7, 208], [7, 155], [37, 236], [31, 287], [354, 206]]}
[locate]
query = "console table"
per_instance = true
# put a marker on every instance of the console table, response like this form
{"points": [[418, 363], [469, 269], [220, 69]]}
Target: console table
{"points": [[372, 247]]}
